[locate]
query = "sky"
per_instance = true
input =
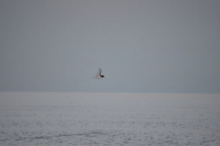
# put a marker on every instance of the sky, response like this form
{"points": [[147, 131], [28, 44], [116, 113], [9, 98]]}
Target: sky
{"points": [[142, 46]]}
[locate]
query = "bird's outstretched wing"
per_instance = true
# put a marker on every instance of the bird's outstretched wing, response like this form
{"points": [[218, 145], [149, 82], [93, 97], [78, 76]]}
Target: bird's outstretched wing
{"points": [[99, 72]]}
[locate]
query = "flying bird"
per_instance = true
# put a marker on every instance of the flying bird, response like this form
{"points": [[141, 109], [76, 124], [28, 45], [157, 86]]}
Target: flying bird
{"points": [[99, 75]]}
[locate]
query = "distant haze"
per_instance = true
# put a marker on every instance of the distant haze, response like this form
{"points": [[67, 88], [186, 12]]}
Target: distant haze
{"points": [[163, 46]]}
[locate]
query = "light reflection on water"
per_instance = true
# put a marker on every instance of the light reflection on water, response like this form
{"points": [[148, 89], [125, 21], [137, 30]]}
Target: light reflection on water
{"points": [[108, 119]]}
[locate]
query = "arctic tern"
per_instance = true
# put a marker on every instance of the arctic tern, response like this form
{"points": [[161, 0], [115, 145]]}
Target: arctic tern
{"points": [[99, 75]]}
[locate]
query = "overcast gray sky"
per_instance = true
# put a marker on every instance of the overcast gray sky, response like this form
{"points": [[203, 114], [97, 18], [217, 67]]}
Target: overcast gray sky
{"points": [[151, 46]]}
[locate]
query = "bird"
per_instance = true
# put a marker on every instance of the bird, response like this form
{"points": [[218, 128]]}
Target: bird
{"points": [[99, 76]]}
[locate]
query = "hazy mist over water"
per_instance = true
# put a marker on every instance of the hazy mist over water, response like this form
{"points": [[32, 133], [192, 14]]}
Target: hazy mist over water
{"points": [[142, 46], [160, 59]]}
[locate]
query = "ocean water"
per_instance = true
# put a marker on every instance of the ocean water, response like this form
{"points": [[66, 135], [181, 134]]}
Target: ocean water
{"points": [[111, 119]]}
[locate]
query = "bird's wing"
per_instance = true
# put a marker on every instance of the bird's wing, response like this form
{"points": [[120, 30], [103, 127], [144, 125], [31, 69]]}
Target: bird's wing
{"points": [[99, 72]]}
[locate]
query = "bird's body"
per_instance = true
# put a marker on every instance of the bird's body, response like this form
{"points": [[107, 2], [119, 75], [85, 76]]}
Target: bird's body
{"points": [[99, 75]]}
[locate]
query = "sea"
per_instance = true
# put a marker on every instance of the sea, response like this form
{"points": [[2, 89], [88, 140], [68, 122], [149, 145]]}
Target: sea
{"points": [[109, 119]]}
